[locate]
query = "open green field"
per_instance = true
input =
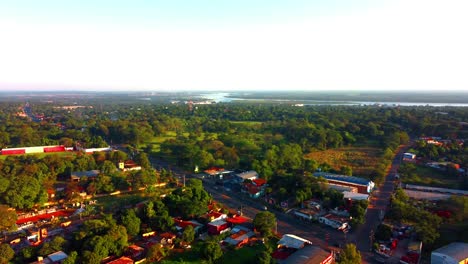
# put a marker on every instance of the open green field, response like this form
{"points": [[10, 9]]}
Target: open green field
{"points": [[431, 177], [362, 160]]}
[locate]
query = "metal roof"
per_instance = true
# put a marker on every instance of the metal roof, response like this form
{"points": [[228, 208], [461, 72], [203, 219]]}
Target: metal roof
{"points": [[456, 250], [344, 178]]}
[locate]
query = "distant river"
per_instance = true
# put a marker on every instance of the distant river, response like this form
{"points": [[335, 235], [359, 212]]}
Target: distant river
{"points": [[224, 98]]}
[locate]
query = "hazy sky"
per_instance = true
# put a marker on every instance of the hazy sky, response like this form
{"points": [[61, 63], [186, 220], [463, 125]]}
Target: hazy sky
{"points": [[234, 44]]}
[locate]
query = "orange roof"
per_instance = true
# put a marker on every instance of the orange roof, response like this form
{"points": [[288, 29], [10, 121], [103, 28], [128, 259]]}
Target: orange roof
{"points": [[121, 260]]}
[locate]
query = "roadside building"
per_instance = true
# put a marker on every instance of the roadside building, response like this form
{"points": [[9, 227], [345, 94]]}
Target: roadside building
{"points": [[362, 185], [309, 255], [293, 241], [453, 253], [334, 221], [307, 214], [355, 196], [248, 175]]}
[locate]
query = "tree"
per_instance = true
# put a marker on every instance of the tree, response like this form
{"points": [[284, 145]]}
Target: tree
{"points": [[211, 251], [131, 221], [189, 234], [264, 257], [6, 253], [383, 232], [350, 255], [358, 211], [53, 246], [346, 170], [155, 253], [143, 160], [72, 258], [8, 219], [264, 222]]}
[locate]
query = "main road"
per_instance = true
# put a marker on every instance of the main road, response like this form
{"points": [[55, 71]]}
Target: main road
{"points": [[377, 207]]}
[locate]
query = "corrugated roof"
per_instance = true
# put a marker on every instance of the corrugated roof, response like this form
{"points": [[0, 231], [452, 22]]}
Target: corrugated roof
{"points": [[456, 250], [345, 178], [307, 255]]}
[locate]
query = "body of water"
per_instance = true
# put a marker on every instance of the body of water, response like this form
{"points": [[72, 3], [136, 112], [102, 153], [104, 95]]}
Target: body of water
{"points": [[224, 98]]}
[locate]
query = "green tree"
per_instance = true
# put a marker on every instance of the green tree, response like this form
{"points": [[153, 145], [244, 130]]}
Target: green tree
{"points": [[383, 232], [72, 258], [211, 251], [155, 253], [131, 222], [350, 255], [264, 257], [264, 222], [55, 245], [346, 170], [6, 253], [8, 219], [189, 234]]}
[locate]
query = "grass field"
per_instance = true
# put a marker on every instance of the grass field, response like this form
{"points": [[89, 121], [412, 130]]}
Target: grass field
{"points": [[361, 159], [431, 177]]}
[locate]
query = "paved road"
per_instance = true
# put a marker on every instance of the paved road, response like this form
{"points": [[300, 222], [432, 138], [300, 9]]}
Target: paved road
{"points": [[286, 224], [377, 206]]}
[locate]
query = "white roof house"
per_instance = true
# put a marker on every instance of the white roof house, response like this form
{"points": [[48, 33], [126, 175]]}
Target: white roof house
{"points": [[293, 241]]}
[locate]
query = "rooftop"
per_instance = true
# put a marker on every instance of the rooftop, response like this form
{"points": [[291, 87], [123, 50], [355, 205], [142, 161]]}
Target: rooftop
{"points": [[307, 255], [293, 241], [456, 250], [345, 178]]}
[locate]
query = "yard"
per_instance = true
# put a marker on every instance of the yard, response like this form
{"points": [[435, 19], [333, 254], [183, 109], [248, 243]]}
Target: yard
{"points": [[113, 202], [363, 160]]}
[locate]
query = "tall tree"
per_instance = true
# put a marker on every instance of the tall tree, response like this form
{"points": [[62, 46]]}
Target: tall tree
{"points": [[350, 255], [264, 222]]}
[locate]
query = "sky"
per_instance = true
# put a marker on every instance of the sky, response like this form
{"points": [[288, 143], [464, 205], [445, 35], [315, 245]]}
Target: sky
{"points": [[223, 45]]}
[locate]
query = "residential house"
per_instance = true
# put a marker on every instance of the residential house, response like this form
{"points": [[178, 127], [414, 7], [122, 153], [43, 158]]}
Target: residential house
{"points": [[309, 255], [293, 241], [122, 260], [307, 214], [79, 175], [54, 258], [218, 227], [181, 225], [128, 165], [255, 188], [334, 221], [247, 175], [240, 236]]}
